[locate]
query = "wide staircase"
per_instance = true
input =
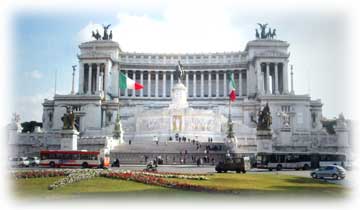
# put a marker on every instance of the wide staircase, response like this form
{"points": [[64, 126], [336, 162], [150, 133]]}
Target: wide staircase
{"points": [[171, 152]]}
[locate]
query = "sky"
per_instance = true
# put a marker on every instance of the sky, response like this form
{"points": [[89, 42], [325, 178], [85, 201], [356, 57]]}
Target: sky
{"points": [[45, 42]]}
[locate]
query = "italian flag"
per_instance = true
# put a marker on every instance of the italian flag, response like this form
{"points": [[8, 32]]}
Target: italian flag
{"points": [[232, 87], [128, 83]]}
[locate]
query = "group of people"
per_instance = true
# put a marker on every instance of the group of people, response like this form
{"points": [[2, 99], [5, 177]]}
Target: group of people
{"points": [[181, 139], [213, 147]]}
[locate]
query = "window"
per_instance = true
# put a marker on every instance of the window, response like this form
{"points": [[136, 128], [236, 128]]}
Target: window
{"points": [[75, 156], [52, 156], [285, 108], [58, 156], [93, 157], [329, 167], [313, 116], [67, 156], [44, 157], [84, 157], [50, 117]]}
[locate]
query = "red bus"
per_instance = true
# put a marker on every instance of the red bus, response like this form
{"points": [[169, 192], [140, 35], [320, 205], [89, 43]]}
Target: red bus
{"points": [[82, 158]]}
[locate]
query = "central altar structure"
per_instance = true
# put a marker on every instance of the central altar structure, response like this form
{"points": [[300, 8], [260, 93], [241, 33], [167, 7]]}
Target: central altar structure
{"points": [[179, 120]]}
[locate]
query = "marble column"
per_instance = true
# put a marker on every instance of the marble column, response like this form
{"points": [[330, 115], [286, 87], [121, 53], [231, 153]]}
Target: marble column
{"points": [[225, 83], [134, 78], [107, 72], [258, 76], [240, 83], [156, 83], [89, 79], [171, 81], [142, 83], [98, 78], [276, 78], [194, 84], [217, 83], [187, 81], [81, 78], [267, 78], [149, 84], [164, 84], [285, 78], [202, 84], [126, 90], [209, 84], [114, 81]]}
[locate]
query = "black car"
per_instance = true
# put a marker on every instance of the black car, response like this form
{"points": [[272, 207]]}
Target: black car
{"points": [[232, 164]]}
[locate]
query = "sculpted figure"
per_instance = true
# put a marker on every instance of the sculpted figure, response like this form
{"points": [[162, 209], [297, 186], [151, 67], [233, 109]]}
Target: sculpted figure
{"points": [[96, 35], [106, 35], [263, 32], [179, 73], [273, 34], [68, 119], [264, 119], [257, 35]]}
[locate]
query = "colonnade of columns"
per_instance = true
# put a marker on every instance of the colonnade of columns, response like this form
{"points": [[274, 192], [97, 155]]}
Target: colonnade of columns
{"points": [[272, 78], [92, 78], [200, 84]]}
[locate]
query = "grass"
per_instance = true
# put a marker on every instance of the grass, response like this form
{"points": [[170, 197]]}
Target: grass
{"points": [[229, 186], [38, 187], [269, 184]]}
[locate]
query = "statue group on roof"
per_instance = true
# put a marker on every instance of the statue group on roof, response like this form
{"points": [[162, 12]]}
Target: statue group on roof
{"points": [[106, 35], [265, 34]]}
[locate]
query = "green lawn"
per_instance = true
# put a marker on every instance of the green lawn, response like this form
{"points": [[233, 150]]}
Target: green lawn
{"points": [[38, 188], [269, 184], [230, 186]]}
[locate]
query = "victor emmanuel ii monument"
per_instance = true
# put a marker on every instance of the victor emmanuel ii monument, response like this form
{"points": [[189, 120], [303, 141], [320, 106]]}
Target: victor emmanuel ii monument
{"points": [[184, 105]]}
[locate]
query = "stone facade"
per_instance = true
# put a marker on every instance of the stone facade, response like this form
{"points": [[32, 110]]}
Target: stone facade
{"points": [[260, 73]]}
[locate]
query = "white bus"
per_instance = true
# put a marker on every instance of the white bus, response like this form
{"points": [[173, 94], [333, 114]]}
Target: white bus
{"points": [[332, 159], [281, 161]]}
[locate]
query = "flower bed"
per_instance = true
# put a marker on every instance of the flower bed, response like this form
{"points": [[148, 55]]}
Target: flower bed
{"points": [[145, 178], [76, 176], [153, 178], [173, 175], [40, 174]]}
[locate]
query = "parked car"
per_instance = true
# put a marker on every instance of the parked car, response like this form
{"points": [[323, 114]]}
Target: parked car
{"points": [[34, 161], [233, 164], [333, 171], [19, 162]]}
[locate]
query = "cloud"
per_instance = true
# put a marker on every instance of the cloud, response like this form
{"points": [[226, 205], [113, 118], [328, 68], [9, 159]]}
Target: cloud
{"points": [[85, 34], [34, 74], [179, 28], [29, 107]]}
